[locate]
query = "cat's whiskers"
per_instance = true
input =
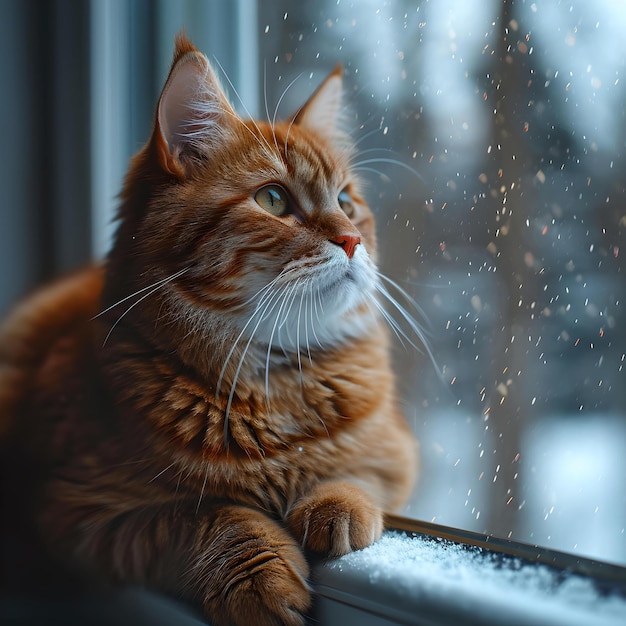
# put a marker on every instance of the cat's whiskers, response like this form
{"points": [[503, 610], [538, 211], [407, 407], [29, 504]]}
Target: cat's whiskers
{"points": [[376, 150], [206, 476], [231, 394], [307, 309], [273, 122], [385, 160], [299, 353], [276, 302], [365, 136], [185, 469], [152, 290], [268, 286], [372, 170], [282, 318], [270, 121], [291, 123], [287, 314], [285, 295], [304, 298], [265, 312], [417, 330], [282, 96], [264, 293], [136, 293], [306, 325], [259, 138], [162, 472], [391, 322], [180, 476], [319, 343], [319, 299], [404, 294]]}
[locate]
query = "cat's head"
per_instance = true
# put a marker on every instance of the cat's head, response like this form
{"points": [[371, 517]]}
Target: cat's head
{"points": [[254, 227]]}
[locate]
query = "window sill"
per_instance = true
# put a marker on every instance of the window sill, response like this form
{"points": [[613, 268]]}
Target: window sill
{"points": [[431, 575]]}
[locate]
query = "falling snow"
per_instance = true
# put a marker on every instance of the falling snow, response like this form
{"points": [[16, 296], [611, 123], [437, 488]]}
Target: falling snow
{"points": [[504, 221]]}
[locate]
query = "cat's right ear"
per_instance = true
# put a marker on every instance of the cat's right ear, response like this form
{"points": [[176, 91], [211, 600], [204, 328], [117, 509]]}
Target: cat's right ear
{"points": [[193, 112]]}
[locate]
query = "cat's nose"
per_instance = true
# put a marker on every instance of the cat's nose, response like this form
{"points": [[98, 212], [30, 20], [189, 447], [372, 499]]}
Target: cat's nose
{"points": [[348, 242]]}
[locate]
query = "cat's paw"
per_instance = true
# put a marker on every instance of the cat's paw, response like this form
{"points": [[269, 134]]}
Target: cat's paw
{"points": [[336, 518], [251, 572], [272, 591]]}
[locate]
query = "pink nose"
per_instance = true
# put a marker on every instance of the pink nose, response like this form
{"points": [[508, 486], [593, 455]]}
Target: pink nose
{"points": [[347, 242]]}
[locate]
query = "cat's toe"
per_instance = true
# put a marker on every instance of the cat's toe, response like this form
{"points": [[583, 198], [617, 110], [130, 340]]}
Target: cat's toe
{"points": [[336, 519]]}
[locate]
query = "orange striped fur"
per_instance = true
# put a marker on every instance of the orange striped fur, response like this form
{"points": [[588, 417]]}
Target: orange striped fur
{"points": [[216, 401]]}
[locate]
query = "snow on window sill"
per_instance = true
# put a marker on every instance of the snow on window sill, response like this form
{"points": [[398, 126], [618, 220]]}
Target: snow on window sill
{"points": [[417, 578]]}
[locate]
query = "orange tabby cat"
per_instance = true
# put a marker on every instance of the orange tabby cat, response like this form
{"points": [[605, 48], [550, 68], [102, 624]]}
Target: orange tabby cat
{"points": [[218, 400]]}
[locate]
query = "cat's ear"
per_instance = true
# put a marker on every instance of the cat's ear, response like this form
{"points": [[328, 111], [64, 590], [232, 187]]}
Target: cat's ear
{"points": [[193, 111], [323, 112]]}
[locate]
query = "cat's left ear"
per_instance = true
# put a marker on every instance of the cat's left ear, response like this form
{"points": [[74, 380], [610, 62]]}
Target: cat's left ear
{"points": [[193, 111], [323, 112]]}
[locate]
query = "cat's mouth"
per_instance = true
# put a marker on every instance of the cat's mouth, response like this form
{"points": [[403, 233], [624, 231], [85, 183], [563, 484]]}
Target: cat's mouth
{"points": [[345, 292]]}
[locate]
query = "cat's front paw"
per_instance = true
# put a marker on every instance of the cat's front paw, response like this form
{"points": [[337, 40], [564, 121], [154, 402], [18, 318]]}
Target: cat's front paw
{"points": [[336, 518], [249, 570], [272, 591]]}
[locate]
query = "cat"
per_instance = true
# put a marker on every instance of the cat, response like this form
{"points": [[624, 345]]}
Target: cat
{"points": [[215, 402]]}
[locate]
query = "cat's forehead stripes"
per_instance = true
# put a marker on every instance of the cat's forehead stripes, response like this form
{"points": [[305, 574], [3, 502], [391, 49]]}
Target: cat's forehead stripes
{"points": [[310, 162], [303, 159]]}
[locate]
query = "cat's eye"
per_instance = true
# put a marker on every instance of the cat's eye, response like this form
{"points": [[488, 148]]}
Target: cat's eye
{"points": [[345, 202], [274, 199]]}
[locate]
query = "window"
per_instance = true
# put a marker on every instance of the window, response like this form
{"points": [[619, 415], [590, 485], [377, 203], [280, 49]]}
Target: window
{"points": [[493, 136]]}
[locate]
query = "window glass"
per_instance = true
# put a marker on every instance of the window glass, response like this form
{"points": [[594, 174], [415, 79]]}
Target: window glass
{"points": [[491, 135]]}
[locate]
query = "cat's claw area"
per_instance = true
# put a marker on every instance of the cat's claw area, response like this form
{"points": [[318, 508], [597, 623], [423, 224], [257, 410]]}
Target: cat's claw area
{"points": [[336, 519]]}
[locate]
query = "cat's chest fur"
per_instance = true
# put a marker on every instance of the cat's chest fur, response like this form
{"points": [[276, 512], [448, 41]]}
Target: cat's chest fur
{"points": [[265, 443]]}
